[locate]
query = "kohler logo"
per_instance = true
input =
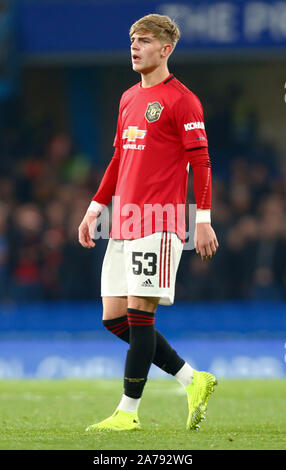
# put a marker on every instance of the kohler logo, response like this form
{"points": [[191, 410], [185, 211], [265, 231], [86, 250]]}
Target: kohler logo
{"points": [[194, 125]]}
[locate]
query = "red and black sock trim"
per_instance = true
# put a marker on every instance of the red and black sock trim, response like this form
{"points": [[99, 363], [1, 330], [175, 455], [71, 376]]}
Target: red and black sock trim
{"points": [[140, 317], [117, 326]]}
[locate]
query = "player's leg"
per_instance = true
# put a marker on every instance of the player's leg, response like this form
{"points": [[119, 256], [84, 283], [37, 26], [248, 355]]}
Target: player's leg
{"points": [[166, 358], [115, 320], [141, 352], [142, 346], [142, 341], [141, 319]]}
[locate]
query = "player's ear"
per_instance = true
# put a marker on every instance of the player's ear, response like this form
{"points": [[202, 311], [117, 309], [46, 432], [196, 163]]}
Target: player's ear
{"points": [[166, 50]]}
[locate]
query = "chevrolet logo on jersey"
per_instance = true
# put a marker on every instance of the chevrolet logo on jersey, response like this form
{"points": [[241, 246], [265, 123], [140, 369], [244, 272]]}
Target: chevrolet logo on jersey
{"points": [[133, 133]]}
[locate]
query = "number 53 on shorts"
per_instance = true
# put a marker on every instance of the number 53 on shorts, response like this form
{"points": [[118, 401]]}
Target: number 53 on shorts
{"points": [[144, 267]]}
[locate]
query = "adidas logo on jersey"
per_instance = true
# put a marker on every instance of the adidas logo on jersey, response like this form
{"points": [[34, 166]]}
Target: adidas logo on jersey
{"points": [[147, 283], [194, 125]]}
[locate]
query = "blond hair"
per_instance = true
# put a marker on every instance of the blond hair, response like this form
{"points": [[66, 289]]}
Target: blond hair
{"points": [[161, 26]]}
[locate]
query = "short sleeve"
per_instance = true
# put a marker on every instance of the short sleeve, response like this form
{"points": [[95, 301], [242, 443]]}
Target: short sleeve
{"points": [[189, 117]]}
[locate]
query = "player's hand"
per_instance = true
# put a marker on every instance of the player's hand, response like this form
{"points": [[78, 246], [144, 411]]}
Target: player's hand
{"points": [[86, 227], [206, 243]]}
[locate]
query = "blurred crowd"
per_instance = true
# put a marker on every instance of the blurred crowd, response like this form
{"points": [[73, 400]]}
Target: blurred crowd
{"points": [[44, 192], [249, 219], [46, 186]]}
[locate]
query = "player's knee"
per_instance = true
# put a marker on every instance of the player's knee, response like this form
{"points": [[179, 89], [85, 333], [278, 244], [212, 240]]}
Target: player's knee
{"points": [[111, 315], [147, 304], [114, 307]]}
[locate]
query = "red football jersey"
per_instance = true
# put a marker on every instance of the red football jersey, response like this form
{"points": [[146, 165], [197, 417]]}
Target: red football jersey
{"points": [[155, 127]]}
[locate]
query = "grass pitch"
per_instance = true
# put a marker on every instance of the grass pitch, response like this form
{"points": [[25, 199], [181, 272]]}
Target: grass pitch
{"points": [[46, 414]]}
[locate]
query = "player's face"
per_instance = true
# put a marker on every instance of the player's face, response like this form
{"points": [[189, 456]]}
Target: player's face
{"points": [[146, 52]]}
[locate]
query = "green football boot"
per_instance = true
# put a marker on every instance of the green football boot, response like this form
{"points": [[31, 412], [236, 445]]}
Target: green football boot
{"points": [[119, 421], [198, 393]]}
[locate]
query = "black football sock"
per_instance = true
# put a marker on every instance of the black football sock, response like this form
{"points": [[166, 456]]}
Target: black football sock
{"points": [[166, 358], [119, 327], [142, 346]]}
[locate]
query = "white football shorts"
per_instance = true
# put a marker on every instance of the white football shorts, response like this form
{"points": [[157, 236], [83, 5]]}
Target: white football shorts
{"points": [[145, 267]]}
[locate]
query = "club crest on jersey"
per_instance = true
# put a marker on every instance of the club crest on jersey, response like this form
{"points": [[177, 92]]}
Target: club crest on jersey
{"points": [[153, 111]]}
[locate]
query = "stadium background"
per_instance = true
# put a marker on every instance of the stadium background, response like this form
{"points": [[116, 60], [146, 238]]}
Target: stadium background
{"points": [[64, 65]]}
